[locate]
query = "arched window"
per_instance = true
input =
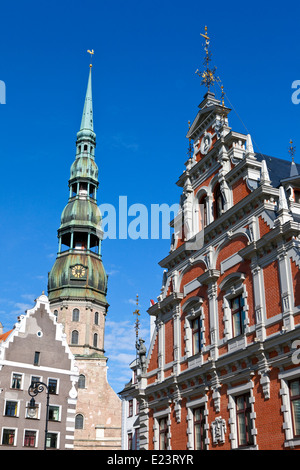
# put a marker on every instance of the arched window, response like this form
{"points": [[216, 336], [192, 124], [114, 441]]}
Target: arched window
{"points": [[95, 340], [75, 315], [79, 421], [81, 381], [96, 318], [202, 212], [218, 202], [74, 337]]}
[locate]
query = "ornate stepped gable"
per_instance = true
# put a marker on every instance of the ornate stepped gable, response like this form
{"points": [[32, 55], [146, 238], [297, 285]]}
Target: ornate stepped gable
{"points": [[228, 314]]}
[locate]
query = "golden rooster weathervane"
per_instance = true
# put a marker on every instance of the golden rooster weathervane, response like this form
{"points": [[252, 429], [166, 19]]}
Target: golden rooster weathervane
{"points": [[91, 54]]}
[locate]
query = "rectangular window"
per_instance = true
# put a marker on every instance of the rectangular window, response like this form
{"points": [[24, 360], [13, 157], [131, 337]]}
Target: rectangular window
{"points": [[196, 325], [52, 386], [30, 438], [295, 405], [36, 360], [16, 381], [130, 408], [53, 413], [11, 408], [8, 437], [163, 434], [35, 379], [237, 315], [243, 410], [52, 440], [130, 441], [199, 432]]}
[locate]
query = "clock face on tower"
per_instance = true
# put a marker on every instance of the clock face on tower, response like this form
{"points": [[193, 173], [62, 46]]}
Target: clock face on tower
{"points": [[78, 271]]}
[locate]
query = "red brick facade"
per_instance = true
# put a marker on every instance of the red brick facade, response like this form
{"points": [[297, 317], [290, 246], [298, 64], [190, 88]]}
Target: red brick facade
{"points": [[222, 368]]}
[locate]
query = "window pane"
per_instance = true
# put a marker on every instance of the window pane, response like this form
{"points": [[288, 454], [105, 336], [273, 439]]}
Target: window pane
{"points": [[81, 381], [51, 440], [295, 388], [52, 385], [75, 316], [11, 408], [242, 430], [16, 381], [8, 436], [296, 416], [29, 438], [236, 324], [235, 304], [53, 413]]}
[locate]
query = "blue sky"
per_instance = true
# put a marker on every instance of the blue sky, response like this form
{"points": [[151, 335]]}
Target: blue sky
{"points": [[144, 92]]}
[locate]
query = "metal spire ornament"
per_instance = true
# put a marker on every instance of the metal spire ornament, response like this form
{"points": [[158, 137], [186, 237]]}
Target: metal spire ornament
{"points": [[137, 322], [189, 152], [208, 76], [292, 150]]}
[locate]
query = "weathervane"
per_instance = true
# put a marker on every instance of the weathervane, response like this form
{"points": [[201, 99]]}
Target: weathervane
{"points": [[91, 53], [137, 313], [292, 150], [208, 75]]}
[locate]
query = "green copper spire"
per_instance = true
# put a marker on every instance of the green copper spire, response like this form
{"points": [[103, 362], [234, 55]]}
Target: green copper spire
{"points": [[80, 234], [87, 115]]}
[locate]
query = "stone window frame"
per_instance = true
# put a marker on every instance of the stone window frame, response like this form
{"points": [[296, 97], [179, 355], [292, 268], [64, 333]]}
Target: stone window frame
{"points": [[193, 309], [17, 402], [22, 380], [36, 437], [11, 428], [190, 406], [232, 393], [285, 377], [156, 417], [233, 286]]}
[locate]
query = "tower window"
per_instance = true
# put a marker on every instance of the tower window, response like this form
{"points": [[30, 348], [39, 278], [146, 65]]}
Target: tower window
{"points": [[85, 148], [79, 421], [96, 318], [75, 315], [74, 337], [81, 381], [95, 340]]}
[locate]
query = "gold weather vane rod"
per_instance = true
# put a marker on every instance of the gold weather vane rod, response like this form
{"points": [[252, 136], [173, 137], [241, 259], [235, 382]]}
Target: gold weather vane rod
{"points": [[292, 150], [137, 313], [208, 76], [91, 54]]}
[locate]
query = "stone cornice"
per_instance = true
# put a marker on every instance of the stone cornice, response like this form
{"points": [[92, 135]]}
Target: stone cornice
{"points": [[166, 304]]}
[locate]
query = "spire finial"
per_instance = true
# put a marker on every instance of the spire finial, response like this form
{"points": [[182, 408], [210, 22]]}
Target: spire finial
{"points": [[137, 313], [208, 75], [292, 150], [91, 53]]}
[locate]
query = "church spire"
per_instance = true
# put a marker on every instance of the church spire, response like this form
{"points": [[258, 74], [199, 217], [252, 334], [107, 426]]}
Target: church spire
{"points": [[87, 115]]}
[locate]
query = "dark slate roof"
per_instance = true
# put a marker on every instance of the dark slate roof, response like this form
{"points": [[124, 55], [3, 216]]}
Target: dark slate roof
{"points": [[279, 169]]}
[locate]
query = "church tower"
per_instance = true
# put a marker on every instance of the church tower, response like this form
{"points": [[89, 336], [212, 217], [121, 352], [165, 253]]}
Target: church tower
{"points": [[77, 286]]}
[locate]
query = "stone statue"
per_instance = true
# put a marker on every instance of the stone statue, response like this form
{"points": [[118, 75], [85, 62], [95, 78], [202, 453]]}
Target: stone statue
{"points": [[141, 348]]}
